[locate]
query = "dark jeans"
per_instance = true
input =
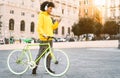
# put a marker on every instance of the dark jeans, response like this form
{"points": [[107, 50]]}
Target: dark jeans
{"points": [[41, 50]]}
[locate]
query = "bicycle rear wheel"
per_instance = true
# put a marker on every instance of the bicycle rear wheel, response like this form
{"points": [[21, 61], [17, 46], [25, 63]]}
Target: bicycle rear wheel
{"points": [[17, 62], [59, 64]]}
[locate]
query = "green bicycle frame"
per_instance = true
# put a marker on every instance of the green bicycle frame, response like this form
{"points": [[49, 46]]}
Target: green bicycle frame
{"points": [[27, 48]]}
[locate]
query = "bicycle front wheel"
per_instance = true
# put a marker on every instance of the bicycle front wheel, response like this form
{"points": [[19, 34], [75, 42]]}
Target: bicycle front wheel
{"points": [[17, 62], [59, 63]]}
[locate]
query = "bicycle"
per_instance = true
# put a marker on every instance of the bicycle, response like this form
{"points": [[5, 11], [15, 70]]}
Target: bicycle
{"points": [[19, 61]]}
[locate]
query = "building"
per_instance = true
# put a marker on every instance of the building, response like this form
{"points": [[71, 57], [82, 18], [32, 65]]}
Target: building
{"points": [[19, 17], [113, 10], [88, 8], [95, 9]]}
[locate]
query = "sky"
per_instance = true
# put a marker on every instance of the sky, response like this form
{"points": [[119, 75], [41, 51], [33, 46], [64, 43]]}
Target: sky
{"points": [[99, 2]]}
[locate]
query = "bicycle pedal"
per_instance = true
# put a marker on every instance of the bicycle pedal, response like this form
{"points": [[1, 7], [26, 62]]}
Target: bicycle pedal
{"points": [[32, 64], [56, 62]]}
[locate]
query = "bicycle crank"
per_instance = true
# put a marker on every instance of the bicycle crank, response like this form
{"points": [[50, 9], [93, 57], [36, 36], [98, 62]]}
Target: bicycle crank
{"points": [[31, 64]]}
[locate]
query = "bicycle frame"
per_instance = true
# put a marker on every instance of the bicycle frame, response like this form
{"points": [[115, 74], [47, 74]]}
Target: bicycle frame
{"points": [[23, 58], [27, 48]]}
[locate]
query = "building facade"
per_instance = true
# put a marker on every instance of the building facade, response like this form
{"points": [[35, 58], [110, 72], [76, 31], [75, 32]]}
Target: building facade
{"points": [[113, 10], [18, 18], [88, 9]]}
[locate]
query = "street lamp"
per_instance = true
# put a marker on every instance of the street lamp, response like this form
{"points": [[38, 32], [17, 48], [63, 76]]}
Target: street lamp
{"points": [[119, 35]]}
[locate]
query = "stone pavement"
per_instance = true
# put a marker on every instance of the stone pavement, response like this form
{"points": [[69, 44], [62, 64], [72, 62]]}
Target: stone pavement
{"points": [[84, 63], [83, 44]]}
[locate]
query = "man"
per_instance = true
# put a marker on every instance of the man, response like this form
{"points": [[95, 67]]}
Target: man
{"points": [[45, 28]]}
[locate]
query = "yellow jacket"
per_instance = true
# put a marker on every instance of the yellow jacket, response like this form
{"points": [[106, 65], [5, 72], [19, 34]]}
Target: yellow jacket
{"points": [[45, 25]]}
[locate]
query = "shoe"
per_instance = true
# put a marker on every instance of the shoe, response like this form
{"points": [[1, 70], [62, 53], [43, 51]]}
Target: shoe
{"points": [[51, 70], [56, 62], [34, 71]]}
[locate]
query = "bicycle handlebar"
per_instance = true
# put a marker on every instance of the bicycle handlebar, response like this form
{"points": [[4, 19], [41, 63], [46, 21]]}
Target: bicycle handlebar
{"points": [[48, 37]]}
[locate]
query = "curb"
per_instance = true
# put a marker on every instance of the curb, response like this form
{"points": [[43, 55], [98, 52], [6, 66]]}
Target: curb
{"points": [[83, 44]]}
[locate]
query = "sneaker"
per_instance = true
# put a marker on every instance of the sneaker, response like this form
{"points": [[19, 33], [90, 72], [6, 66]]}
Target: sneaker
{"points": [[56, 62], [34, 72], [51, 70]]}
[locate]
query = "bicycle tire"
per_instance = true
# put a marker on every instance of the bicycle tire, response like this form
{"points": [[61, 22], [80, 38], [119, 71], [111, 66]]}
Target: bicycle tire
{"points": [[63, 63], [13, 63]]}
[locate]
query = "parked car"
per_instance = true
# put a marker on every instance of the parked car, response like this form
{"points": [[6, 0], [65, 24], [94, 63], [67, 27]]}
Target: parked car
{"points": [[85, 37], [71, 40], [59, 40], [1, 41]]}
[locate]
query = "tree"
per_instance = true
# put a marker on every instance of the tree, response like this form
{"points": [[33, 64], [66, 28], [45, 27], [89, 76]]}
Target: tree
{"points": [[76, 29], [110, 27], [84, 26], [97, 28]]}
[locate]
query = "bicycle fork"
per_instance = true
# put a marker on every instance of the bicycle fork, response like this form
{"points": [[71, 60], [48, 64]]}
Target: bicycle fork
{"points": [[19, 60]]}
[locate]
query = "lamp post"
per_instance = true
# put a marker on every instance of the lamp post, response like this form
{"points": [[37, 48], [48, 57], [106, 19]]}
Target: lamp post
{"points": [[119, 35]]}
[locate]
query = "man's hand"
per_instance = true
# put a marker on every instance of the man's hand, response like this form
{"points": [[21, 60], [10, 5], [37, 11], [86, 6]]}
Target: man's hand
{"points": [[44, 35], [59, 20]]}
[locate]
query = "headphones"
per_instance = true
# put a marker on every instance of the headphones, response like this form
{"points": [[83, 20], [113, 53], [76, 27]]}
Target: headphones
{"points": [[46, 7]]}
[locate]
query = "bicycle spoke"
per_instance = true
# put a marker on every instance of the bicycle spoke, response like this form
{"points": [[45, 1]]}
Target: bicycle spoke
{"points": [[62, 63], [16, 64]]}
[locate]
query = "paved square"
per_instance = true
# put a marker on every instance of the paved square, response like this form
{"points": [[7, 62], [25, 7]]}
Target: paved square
{"points": [[84, 63]]}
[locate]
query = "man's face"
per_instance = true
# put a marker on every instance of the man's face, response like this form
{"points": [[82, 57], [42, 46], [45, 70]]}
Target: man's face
{"points": [[49, 10]]}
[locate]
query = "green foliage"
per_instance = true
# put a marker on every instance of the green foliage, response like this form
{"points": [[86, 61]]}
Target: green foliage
{"points": [[76, 29], [97, 28], [84, 26], [110, 27]]}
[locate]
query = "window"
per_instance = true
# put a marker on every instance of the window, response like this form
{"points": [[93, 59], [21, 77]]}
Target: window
{"points": [[56, 31], [32, 3], [0, 27], [68, 30], [22, 25], [11, 24], [11, 11], [63, 31], [86, 11], [22, 2], [86, 2], [32, 27], [32, 15], [22, 13], [62, 11], [51, 0], [80, 3], [119, 13]]}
